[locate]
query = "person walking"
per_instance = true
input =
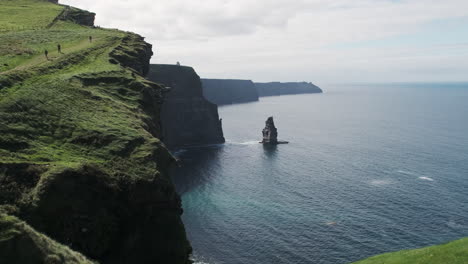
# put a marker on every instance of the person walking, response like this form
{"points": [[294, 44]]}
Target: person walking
{"points": [[59, 48], [46, 53], [90, 39]]}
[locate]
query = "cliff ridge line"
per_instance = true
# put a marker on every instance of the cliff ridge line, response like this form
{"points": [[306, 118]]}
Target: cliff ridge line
{"points": [[80, 144]]}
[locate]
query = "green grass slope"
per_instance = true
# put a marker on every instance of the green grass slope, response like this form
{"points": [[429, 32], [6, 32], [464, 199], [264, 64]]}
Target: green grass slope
{"points": [[80, 158], [19, 243], [451, 253], [18, 15], [59, 110]]}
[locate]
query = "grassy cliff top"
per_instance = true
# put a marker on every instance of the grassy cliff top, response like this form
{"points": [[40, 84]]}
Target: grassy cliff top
{"points": [[29, 27], [454, 253], [79, 106], [18, 15]]}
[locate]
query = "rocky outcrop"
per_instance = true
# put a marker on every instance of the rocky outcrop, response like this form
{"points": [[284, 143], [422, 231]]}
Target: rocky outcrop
{"points": [[133, 53], [187, 118], [78, 16], [222, 92], [109, 219], [278, 88], [270, 133]]}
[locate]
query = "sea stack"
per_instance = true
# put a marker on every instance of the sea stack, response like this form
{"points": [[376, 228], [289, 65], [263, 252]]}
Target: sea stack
{"points": [[270, 133]]}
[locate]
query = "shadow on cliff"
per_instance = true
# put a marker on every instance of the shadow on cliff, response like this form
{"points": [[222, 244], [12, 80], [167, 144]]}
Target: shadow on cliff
{"points": [[196, 165]]}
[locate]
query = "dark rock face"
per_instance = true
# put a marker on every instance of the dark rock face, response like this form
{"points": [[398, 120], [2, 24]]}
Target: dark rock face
{"points": [[187, 118], [278, 88], [270, 133], [22, 244], [222, 92], [137, 57], [77, 16], [114, 221]]}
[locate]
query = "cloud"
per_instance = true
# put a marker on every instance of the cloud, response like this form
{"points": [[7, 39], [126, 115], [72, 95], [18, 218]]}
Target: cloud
{"points": [[291, 39]]}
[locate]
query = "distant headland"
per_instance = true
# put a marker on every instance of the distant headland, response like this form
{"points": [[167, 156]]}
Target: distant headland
{"points": [[231, 91]]}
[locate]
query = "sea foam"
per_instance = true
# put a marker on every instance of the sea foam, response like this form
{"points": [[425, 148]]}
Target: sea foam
{"points": [[426, 179]]}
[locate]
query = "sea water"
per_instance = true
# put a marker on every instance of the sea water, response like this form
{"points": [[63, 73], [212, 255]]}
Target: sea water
{"points": [[369, 169]]}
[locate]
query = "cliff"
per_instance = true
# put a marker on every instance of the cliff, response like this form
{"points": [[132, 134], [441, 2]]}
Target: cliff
{"points": [[19, 243], [278, 88], [81, 161], [187, 118], [223, 92]]}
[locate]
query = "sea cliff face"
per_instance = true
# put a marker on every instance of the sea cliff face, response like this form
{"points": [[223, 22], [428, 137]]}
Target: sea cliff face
{"points": [[222, 92], [81, 161], [278, 88], [187, 118]]}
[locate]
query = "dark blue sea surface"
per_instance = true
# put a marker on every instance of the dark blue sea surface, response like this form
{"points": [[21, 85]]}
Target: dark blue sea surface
{"points": [[369, 169]]}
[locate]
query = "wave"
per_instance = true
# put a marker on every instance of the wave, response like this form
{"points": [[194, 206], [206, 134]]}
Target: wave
{"points": [[406, 172], [252, 142], [178, 152], [426, 178], [380, 182], [201, 260], [421, 177]]}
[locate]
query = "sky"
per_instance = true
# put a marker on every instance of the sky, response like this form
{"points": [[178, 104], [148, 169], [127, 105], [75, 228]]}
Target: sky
{"points": [[322, 41]]}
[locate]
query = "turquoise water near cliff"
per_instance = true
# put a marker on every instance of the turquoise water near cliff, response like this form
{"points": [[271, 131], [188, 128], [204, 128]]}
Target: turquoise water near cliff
{"points": [[370, 169]]}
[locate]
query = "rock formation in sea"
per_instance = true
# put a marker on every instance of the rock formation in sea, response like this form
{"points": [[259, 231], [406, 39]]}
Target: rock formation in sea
{"points": [[270, 133], [279, 88], [187, 118], [222, 92]]}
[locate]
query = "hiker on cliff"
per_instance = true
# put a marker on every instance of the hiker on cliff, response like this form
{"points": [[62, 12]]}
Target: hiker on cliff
{"points": [[90, 39], [46, 53], [59, 48]]}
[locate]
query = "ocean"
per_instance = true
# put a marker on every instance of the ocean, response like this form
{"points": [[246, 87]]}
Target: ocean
{"points": [[369, 169]]}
